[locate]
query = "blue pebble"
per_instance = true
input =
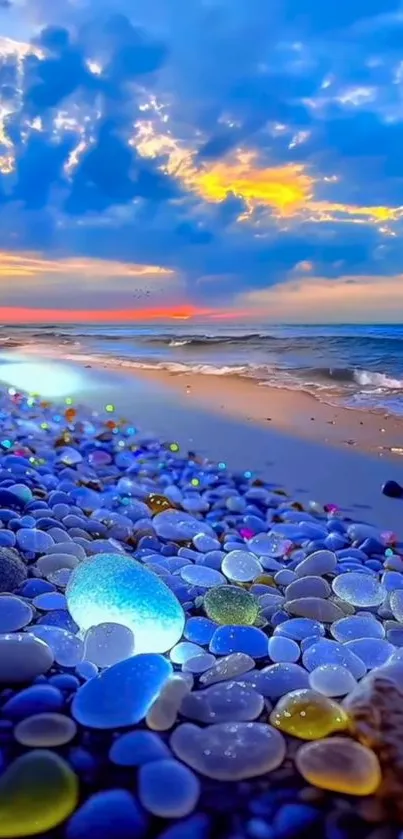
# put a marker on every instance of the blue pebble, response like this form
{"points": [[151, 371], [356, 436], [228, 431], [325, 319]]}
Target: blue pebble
{"points": [[374, 564], [7, 539], [84, 763], [199, 630], [36, 699], [300, 628], [107, 815], [64, 681], [351, 553], [335, 542], [371, 546], [60, 618], [138, 747], [293, 819], [239, 639], [34, 587], [194, 827]]}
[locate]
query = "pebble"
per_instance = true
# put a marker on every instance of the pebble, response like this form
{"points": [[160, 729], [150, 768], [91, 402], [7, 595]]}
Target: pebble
{"points": [[228, 667], [339, 765], [239, 639], [38, 791], [40, 698], [317, 564], [112, 588], [374, 652], [14, 613], [357, 626], [396, 604], [308, 715], [108, 643], [241, 566], [45, 731], [231, 751], [122, 694], [163, 712], [108, 814], [308, 587], [359, 589], [200, 630], [282, 648], [13, 571], [202, 576], [300, 628], [176, 526], [199, 664], [22, 658], [138, 747], [276, 680], [231, 605], [168, 789], [223, 702], [326, 651], [67, 648], [315, 608], [332, 680]]}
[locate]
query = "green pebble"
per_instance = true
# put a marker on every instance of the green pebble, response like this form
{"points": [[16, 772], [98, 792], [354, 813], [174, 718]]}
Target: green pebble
{"points": [[231, 605]]}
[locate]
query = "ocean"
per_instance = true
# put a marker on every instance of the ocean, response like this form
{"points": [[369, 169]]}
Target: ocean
{"points": [[354, 365]]}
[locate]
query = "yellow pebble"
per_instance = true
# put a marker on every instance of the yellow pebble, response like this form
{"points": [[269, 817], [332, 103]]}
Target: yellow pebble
{"points": [[308, 715], [265, 580], [339, 765], [158, 503], [38, 791]]}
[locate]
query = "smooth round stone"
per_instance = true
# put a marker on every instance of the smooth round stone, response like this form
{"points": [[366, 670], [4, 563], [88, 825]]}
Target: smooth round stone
{"points": [[23, 657], [229, 667], [315, 608], [163, 713], [340, 765], [42, 698], [122, 694], [241, 566], [66, 647], [110, 813], [359, 589], [112, 588], [38, 791], [232, 751], [49, 601], [223, 702], [50, 563], [357, 626], [325, 651], [269, 544], [168, 789], [86, 670], [176, 526], [45, 731], [374, 652], [308, 715], [201, 575], [231, 605], [204, 543], [396, 604], [300, 628], [138, 747], [317, 564], [14, 613], [13, 571], [283, 649], [184, 651], [67, 547], [60, 578], [199, 664], [391, 580], [276, 680], [284, 577], [308, 587], [332, 680], [199, 630], [239, 639], [108, 643], [33, 541]]}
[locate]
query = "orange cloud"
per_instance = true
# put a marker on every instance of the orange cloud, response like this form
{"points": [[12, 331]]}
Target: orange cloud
{"points": [[24, 314], [33, 264]]}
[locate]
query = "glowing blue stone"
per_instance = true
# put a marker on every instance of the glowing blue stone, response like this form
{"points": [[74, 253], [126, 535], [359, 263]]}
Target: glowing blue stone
{"points": [[112, 588], [122, 694]]}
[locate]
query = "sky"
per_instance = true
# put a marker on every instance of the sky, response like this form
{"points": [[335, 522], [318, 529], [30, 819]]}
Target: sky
{"points": [[226, 159]]}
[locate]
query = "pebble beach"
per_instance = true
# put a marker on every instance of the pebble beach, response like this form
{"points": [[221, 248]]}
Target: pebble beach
{"points": [[188, 650]]}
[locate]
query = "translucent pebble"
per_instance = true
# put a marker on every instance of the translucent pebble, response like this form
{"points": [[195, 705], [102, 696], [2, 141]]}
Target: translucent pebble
{"points": [[122, 694], [14, 613], [229, 667], [241, 566], [168, 789], [231, 751], [283, 649], [35, 699], [318, 564], [332, 680], [108, 643], [205, 543], [68, 548], [308, 715], [300, 628], [316, 608], [391, 580], [223, 702], [22, 658], [201, 575], [45, 731], [372, 651], [110, 813], [339, 765], [396, 604], [112, 588], [325, 651], [60, 578], [138, 747], [50, 563], [357, 626], [199, 664], [308, 587], [231, 605], [86, 670], [270, 544], [359, 589], [184, 651], [276, 680], [177, 526], [199, 630], [38, 791], [239, 639], [34, 541], [163, 712], [67, 648], [49, 601]]}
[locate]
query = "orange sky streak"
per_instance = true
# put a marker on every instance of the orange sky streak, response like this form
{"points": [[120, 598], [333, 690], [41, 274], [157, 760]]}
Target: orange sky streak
{"points": [[19, 314]]}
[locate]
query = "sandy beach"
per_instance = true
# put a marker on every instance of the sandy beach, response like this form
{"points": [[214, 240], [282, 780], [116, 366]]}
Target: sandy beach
{"points": [[227, 419]]}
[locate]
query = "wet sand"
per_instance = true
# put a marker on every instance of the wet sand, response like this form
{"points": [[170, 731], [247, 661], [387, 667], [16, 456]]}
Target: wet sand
{"points": [[284, 451]]}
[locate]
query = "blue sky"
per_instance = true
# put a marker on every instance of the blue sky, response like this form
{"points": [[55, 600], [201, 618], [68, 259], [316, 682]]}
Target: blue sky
{"points": [[241, 156]]}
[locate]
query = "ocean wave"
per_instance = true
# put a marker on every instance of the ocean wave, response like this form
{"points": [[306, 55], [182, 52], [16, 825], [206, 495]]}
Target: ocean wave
{"points": [[368, 378]]}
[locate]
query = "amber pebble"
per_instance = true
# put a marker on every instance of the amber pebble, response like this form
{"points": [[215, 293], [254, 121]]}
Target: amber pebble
{"points": [[158, 503], [339, 765], [70, 414], [308, 715], [264, 580]]}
